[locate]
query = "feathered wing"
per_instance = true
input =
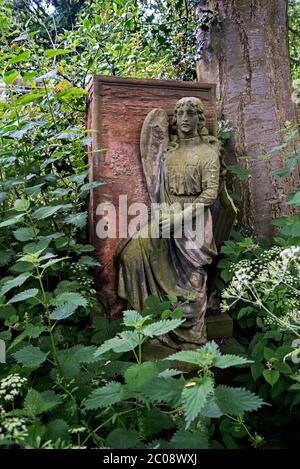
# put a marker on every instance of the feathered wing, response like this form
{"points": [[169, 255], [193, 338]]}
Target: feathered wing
{"points": [[153, 144], [224, 211]]}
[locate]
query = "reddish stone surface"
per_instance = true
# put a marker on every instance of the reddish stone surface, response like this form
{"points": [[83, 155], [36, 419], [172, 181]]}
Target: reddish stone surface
{"points": [[117, 108]]}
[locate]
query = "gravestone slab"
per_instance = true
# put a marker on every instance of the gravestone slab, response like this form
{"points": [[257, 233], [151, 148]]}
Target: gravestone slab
{"points": [[116, 109]]}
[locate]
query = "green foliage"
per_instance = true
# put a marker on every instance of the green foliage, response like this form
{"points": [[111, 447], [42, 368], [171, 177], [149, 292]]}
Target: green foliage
{"points": [[30, 357], [294, 36], [106, 396], [61, 365]]}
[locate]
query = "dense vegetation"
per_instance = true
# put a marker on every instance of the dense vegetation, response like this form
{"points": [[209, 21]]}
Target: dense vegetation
{"points": [[72, 381]]}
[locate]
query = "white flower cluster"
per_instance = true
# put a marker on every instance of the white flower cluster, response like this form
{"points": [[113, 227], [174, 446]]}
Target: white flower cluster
{"points": [[260, 277], [274, 267], [13, 428], [10, 387]]}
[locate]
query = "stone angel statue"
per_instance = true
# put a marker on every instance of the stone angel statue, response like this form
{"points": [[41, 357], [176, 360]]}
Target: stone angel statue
{"points": [[182, 166]]}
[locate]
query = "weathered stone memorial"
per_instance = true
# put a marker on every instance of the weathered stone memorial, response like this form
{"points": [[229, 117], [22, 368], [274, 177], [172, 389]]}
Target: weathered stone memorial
{"points": [[162, 209]]}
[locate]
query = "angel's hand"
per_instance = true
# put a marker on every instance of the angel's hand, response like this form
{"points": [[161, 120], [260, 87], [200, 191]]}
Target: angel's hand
{"points": [[170, 222]]}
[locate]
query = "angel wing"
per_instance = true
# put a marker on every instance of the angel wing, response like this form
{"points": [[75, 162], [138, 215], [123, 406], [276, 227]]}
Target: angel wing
{"points": [[153, 144], [223, 210]]}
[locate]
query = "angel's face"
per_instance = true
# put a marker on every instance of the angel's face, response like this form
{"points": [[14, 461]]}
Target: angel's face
{"points": [[187, 120]]}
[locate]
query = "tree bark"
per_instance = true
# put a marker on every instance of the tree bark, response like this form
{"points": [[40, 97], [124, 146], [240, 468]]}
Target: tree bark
{"points": [[245, 51]]}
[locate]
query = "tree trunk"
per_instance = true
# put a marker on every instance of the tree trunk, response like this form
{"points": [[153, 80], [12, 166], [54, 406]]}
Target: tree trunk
{"points": [[244, 47]]}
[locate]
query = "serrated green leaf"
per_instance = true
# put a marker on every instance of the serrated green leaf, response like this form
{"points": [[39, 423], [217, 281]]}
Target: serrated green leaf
{"points": [[106, 396], [123, 342], [79, 220], [32, 330], [155, 421], [88, 261], [164, 390], [257, 370], [211, 409], [24, 295], [78, 354], [169, 372], [66, 303], [236, 401], [188, 356], [57, 428], [204, 356], [26, 234], [161, 327], [21, 205], [189, 440], [138, 375], [122, 438], [194, 397], [226, 361], [15, 282], [271, 376], [45, 212], [35, 403], [131, 318], [30, 357]]}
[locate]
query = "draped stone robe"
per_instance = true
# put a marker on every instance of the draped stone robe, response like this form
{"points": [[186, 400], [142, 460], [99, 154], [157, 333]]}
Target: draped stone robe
{"points": [[189, 174]]}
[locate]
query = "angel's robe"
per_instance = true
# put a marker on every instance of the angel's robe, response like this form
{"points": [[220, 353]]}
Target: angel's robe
{"points": [[189, 174]]}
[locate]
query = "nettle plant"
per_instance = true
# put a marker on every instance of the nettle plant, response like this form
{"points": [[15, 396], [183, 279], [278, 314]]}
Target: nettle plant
{"points": [[44, 404], [153, 398]]}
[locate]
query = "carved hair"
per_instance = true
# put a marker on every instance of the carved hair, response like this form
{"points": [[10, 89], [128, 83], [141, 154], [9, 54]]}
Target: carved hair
{"points": [[195, 103]]}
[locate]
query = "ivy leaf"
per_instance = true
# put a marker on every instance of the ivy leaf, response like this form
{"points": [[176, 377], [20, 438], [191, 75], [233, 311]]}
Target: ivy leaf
{"points": [[161, 327], [194, 397], [106, 396], [271, 376], [139, 374], [24, 295], [30, 357], [236, 401], [67, 303], [15, 282], [122, 438]]}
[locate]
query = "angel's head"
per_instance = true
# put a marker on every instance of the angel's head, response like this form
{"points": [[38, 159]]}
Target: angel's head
{"points": [[189, 117]]}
